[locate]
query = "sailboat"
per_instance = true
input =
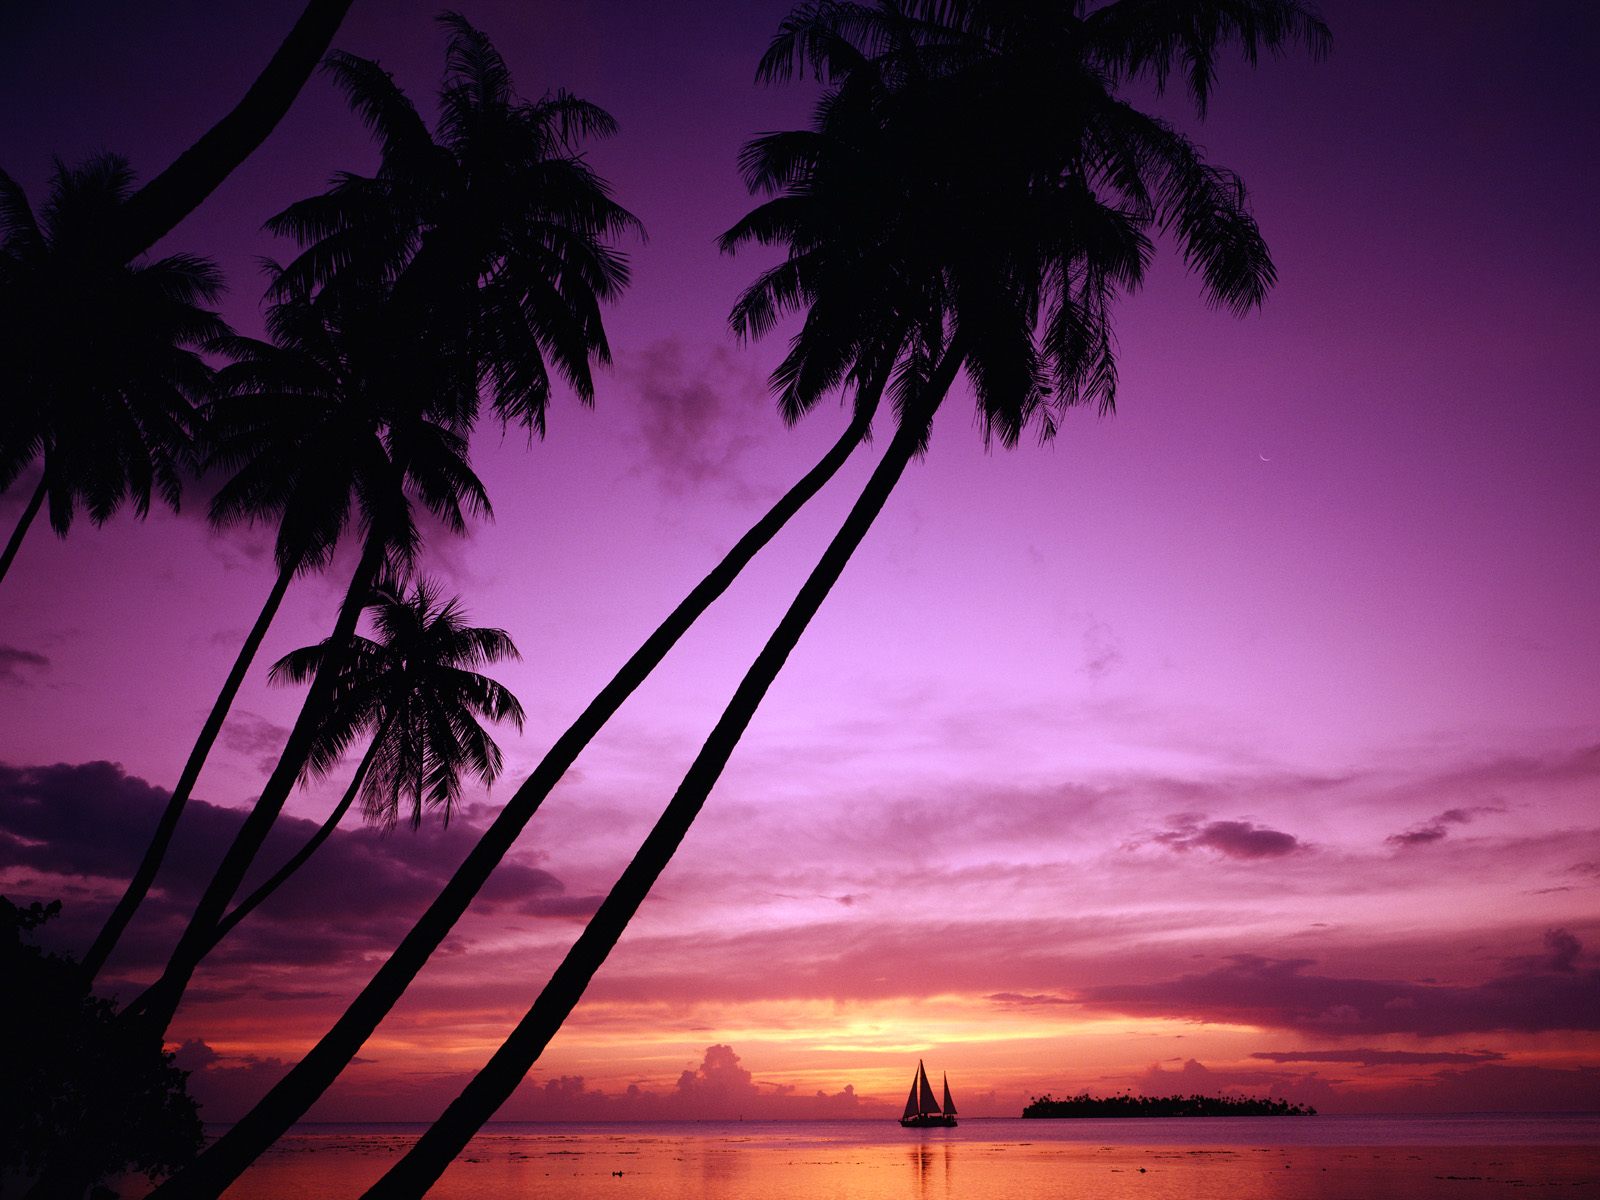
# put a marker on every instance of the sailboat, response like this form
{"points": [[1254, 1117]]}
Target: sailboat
{"points": [[922, 1110]]}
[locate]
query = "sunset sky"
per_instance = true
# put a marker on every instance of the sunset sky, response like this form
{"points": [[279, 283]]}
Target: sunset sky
{"points": [[1247, 740]]}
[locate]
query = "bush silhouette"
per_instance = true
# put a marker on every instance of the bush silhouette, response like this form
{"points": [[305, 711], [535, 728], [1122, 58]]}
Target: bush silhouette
{"points": [[83, 1095]]}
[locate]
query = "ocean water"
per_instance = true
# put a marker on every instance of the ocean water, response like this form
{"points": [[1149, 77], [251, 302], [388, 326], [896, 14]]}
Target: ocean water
{"points": [[1466, 1157]]}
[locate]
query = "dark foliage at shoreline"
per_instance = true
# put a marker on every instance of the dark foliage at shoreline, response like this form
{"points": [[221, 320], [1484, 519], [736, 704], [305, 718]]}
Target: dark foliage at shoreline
{"points": [[83, 1094], [1085, 1105]]}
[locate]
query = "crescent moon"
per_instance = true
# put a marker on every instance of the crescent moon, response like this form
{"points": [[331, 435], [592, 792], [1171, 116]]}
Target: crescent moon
{"points": [[1262, 456]]}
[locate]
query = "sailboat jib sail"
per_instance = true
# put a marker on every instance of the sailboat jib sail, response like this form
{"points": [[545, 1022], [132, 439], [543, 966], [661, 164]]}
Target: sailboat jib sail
{"points": [[922, 1108]]}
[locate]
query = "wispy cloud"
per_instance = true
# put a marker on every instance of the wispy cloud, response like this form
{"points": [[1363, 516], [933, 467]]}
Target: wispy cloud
{"points": [[1437, 829], [1550, 992], [1366, 1057], [691, 425], [21, 666]]}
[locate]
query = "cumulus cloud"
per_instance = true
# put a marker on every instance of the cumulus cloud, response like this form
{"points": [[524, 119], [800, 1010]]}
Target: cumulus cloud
{"points": [[719, 1088], [1550, 992], [1437, 829], [1232, 839], [18, 665]]}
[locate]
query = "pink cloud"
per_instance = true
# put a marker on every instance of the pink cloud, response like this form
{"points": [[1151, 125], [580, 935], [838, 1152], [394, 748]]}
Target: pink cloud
{"points": [[1372, 1058], [356, 897], [1550, 993], [1439, 827]]}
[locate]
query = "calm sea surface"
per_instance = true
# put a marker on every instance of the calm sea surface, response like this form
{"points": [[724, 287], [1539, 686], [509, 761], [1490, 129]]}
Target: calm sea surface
{"points": [[1467, 1157]]}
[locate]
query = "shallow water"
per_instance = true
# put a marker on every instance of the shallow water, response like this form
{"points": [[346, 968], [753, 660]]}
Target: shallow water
{"points": [[1218, 1158]]}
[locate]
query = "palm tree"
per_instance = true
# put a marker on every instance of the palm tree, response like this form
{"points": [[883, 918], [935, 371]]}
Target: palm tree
{"points": [[304, 435], [1040, 235], [155, 209], [329, 451], [99, 367], [491, 231], [859, 264], [121, 232], [416, 691], [487, 252]]}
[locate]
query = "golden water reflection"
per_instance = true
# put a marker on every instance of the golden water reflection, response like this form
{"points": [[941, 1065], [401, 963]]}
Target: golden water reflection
{"points": [[779, 1163]]}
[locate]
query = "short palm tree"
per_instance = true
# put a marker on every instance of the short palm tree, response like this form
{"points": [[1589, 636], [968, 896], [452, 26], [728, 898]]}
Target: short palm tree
{"points": [[416, 693], [309, 444], [100, 366], [464, 265], [1035, 236], [314, 441]]}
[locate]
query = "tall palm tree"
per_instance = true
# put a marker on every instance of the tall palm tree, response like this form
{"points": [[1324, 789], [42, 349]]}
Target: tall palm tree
{"points": [[1026, 305], [858, 268], [488, 251], [155, 209], [416, 691], [491, 230], [100, 367]]}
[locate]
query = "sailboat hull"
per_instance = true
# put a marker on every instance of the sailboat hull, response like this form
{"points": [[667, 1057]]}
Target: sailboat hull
{"points": [[927, 1120]]}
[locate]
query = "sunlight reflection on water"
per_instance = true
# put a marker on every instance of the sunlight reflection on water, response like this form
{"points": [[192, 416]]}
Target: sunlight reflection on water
{"points": [[983, 1160]]}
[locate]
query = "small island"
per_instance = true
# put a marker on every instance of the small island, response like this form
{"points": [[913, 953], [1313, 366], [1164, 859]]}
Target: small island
{"points": [[1085, 1105]]}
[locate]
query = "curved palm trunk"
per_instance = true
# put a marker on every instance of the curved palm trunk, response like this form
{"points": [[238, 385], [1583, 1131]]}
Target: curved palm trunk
{"points": [[160, 1001], [35, 502], [155, 209], [139, 887], [301, 856], [422, 1165], [288, 1101]]}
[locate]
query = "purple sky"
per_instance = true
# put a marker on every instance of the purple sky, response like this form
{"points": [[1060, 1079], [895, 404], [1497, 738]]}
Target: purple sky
{"points": [[1247, 739]]}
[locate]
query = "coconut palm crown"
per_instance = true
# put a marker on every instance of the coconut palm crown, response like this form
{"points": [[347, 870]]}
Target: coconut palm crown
{"points": [[100, 366], [492, 231], [416, 689]]}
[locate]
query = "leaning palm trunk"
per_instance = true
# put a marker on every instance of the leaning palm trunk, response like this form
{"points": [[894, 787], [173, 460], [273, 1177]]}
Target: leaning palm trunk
{"points": [[155, 209], [35, 502], [160, 1001], [422, 1165], [288, 1101], [301, 856], [139, 887]]}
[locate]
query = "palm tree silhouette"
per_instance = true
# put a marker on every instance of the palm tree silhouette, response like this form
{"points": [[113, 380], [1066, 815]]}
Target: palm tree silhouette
{"points": [[476, 257], [417, 692], [858, 266], [1037, 232], [328, 451], [312, 444], [492, 232], [156, 208], [99, 360]]}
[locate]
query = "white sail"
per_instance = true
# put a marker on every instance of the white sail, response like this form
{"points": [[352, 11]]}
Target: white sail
{"points": [[949, 1104]]}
